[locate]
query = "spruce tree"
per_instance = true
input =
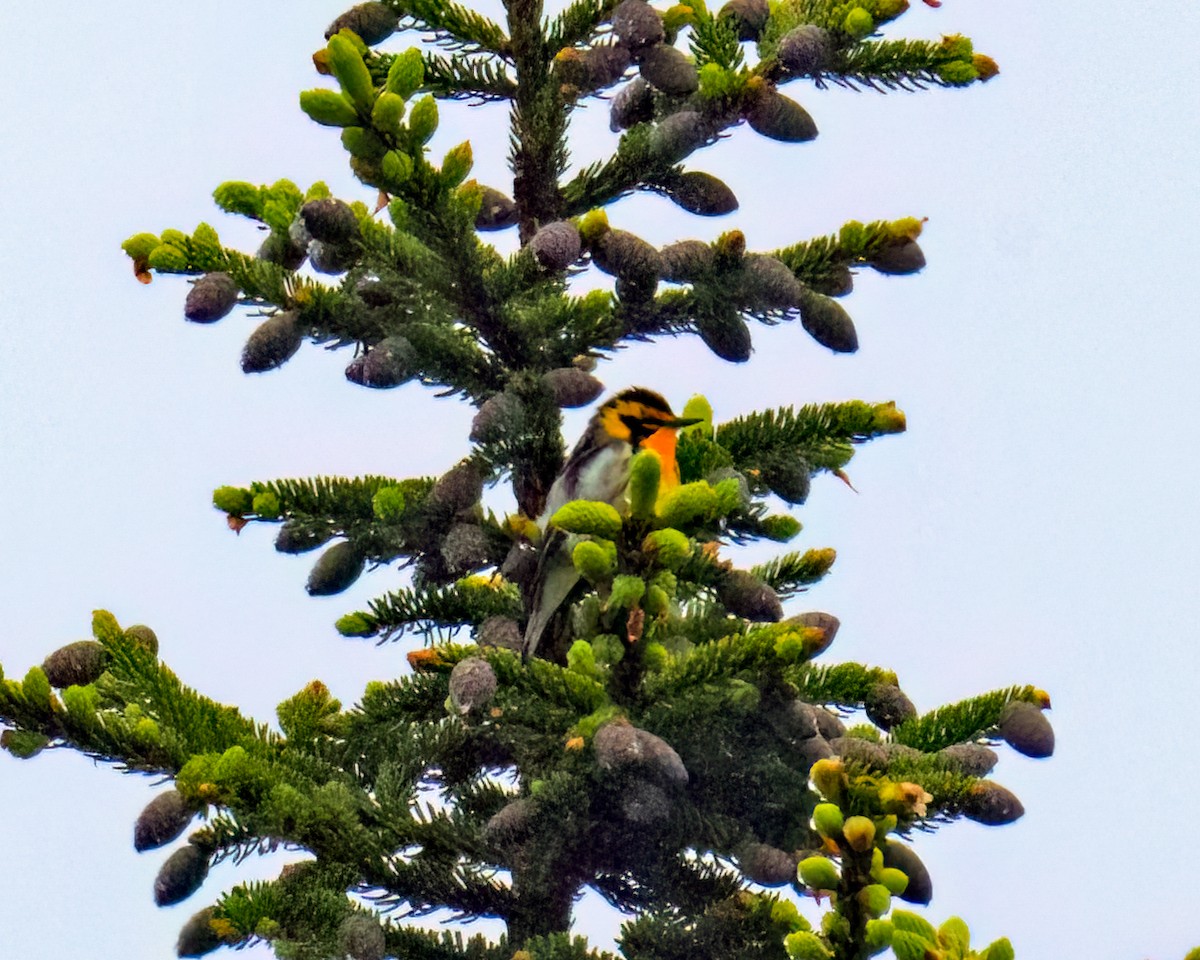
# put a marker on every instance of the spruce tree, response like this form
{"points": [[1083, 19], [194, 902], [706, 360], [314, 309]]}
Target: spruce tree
{"points": [[679, 743]]}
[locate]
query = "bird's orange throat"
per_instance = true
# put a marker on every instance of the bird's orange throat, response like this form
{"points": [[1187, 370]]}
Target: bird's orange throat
{"points": [[662, 442]]}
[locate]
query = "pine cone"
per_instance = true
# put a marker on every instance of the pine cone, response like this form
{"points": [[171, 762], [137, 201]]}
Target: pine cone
{"points": [[300, 536], [458, 488], [605, 65], [829, 724], [181, 875], [811, 750], [272, 344], [499, 416], [992, 805], [744, 595], [749, 16], [197, 936], [511, 823], [805, 50], [571, 387], [636, 24], [765, 865], [702, 194], [626, 255], [864, 751], [685, 260], [788, 477], [373, 22], [163, 819], [466, 548], [391, 362], [211, 298], [670, 70], [824, 621], [76, 664], [332, 259], [472, 684], [498, 631], [726, 335], [621, 746], [633, 104], [899, 258], [335, 570], [679, 135], [828, 323], [556, 245], [887, 706], [973, 759], [901, 857], [770, 283], [838, 282], [1026, 729], [775, 116], [143, 636], [277, 248], [330, 221], [496, 212]]}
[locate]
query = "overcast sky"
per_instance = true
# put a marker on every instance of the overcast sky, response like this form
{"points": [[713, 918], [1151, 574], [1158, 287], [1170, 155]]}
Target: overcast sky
{"points": [[1037, 523]]}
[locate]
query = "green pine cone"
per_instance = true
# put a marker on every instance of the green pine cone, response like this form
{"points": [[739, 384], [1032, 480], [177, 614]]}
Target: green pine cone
{"points": [[645, 474], [593, 562], [627, 591], [591, 517], [687, 504], [819, 873], [347, 65], [668, 548], [143, 637], [328, 107]]}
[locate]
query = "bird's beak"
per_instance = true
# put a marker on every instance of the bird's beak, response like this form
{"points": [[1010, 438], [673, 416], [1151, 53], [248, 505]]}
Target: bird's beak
{"points": [[680, 422]]}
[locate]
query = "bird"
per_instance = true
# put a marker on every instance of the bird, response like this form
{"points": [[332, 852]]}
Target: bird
{"points": [[598, 469]]}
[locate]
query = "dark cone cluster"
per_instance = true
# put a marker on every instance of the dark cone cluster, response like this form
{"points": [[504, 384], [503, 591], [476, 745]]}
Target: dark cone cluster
{"points": [[670, 70], [726, 335], [211, 298], [391, 362], [458, 488], [499, 416], [770, 284], [197, 938], [628, 257], [297, 536], [76, 664], [679, 135], [163, 820], [787, 477], [502, 632], [637, 25], [686, 260], [632, 104], [279, 248]]}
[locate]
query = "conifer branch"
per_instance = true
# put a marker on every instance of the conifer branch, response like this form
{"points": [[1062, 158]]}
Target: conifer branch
{"points": [[905, 64], [794, 572], [425, 610], [577, 23], [843, 684], [454, 25], [959, 722], [461, 77]]}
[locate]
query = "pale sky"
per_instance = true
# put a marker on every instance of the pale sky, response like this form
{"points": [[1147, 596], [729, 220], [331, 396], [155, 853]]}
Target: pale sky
{"points": [[1036, 524]]}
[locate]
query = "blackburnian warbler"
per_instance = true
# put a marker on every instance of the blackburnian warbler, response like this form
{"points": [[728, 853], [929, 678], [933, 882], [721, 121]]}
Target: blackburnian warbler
{"points": [[598, 469]]}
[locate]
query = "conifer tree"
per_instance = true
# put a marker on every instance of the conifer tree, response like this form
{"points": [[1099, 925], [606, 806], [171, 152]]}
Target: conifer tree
{"points": [[679, 744]]}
